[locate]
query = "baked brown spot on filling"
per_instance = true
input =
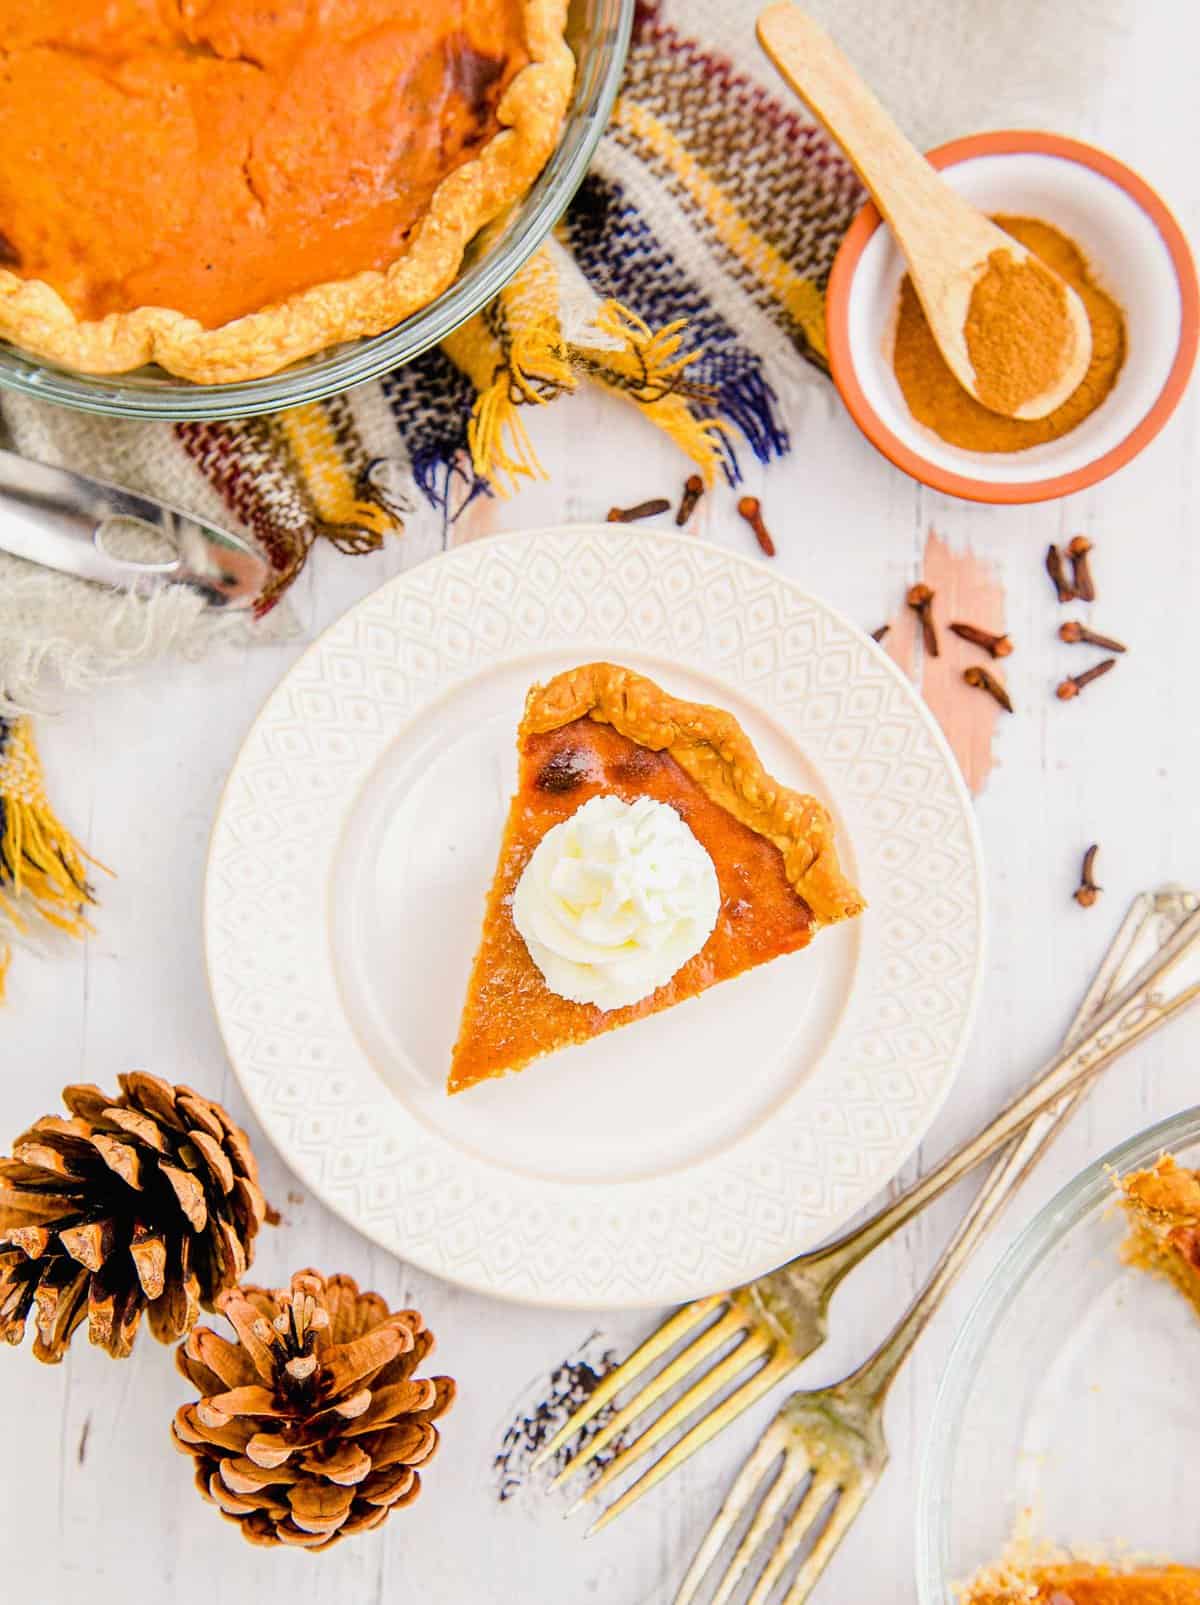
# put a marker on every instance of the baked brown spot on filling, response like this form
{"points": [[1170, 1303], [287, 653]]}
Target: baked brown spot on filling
{"points": [[564, 770], [639, 765]]}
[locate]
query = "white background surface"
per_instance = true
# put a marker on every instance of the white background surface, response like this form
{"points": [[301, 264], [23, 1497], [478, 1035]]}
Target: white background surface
{"points": [[92, 1497]]}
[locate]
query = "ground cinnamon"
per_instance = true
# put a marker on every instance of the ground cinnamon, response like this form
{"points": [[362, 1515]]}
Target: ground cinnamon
{"points": [[1019, 333], [1032, 308]]}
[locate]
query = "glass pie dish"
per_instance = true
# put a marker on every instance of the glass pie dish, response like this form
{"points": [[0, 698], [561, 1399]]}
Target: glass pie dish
{"points": [[598, 32], [1069, 1410]]}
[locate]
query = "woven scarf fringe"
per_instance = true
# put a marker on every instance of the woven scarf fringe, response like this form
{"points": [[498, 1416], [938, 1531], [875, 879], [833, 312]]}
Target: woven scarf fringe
{"points": [[748, 401], [44, 884], [129, 630], [438, 470], [632, 361]]}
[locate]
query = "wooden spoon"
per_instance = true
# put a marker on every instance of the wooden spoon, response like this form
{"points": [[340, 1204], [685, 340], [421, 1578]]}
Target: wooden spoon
{"points": [[945, 241]]}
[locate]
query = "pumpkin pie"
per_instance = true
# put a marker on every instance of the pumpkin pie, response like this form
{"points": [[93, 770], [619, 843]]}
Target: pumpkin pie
{"points": [[1163, 1206], [222, 187], [601, 734]]}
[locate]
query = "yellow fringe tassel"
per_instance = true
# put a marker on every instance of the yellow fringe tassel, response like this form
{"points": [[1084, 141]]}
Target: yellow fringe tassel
{"points": [[45, 869], [515, 355]]}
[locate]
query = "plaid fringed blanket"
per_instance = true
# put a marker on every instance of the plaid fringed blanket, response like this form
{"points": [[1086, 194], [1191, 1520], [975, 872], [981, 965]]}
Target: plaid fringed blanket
{"points": [[687, 277]]}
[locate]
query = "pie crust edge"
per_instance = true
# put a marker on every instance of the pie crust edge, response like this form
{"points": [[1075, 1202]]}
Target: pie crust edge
{"points": [[710, 746], [34, 317]]}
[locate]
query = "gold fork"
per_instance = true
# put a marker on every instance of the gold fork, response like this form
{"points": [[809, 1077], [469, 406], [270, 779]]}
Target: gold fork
{"points": [[769, 1326]]}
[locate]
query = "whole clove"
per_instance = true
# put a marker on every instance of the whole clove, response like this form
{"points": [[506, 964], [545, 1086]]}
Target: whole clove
{"points": [[920, 599], [1057, 569], [750, 509], [979, 677], [1000, 646], [630, 515], [1074, 684], [1087, 891], [693, 489], [1077, 550], [1072, 632]]}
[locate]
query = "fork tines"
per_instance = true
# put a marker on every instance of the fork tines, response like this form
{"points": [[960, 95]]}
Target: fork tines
{"points": [[751, 1344]]}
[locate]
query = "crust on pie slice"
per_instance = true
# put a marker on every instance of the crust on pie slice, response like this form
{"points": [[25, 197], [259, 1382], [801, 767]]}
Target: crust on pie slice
{"points": [[1163, 1205], [603, 729]]}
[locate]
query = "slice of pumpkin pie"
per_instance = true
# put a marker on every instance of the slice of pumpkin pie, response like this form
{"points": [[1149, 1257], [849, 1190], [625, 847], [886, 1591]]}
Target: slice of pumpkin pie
{"points": [[647, 856]]}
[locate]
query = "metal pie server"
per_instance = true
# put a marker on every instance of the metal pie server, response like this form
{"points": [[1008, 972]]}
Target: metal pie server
{"points": [[70, 522]]}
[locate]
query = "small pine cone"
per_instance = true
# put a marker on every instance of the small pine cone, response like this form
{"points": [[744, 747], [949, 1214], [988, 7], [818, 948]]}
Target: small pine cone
{"points": [[146, 1201], [311, 1425]]}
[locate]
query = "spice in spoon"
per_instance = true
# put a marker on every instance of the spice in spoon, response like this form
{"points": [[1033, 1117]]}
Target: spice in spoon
{"points": [[1018, 331], [936, 399]]}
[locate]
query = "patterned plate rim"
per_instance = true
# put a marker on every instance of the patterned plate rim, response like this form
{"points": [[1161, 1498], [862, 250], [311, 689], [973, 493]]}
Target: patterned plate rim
{"points": [[850, 1125]]}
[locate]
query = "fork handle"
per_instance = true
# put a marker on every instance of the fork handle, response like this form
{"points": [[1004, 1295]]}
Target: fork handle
{"points": [[1137, 1010]]}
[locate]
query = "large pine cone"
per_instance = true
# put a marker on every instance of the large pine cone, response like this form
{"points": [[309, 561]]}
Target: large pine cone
{"points": [[146, 1201], [311, 1425]]}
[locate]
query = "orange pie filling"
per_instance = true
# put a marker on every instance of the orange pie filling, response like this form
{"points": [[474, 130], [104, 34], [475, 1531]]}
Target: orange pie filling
{"points": [[216, 156], [1082, 1584]]}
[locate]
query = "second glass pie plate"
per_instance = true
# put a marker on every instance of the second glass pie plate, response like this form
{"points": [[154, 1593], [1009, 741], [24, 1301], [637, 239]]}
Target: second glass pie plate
{"points": [[598, 32], [1069, 1409]]}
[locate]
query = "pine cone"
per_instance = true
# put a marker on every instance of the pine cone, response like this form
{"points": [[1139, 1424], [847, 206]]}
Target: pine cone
{"points": [[146, 1201], [310, 1426]]}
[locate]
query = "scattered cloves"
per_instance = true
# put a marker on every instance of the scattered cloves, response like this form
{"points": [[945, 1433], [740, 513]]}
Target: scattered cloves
{"points": [[1077, 550], [1057, 570], [1073, 632], [751, 510], [1000, 646], [878, 635], [630, 515], [693, 489], [1087, 891], [920, 599], [979, 677], [1072, 686]]}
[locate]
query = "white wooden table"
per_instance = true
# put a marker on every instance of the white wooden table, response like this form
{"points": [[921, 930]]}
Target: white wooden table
{"points": [[93, 1499]]}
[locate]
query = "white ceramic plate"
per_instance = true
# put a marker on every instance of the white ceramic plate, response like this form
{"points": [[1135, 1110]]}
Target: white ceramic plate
{"points": [[346, 879]]}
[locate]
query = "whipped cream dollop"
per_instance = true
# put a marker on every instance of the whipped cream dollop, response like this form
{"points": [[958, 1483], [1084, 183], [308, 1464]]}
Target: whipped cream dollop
{"points": [[615, 900]]}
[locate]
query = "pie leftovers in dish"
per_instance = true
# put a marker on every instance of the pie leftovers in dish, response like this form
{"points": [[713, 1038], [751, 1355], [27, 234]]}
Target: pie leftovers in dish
{"points": [[1163, 1205], [222, 187], [1163, 1208], [647, 856], [1082, 1583]]}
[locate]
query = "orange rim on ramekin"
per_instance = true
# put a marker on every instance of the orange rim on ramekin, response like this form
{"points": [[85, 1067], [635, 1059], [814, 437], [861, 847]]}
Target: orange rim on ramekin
{"points": [[841, 360]]}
